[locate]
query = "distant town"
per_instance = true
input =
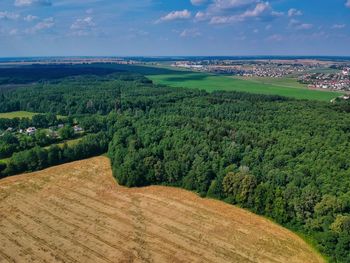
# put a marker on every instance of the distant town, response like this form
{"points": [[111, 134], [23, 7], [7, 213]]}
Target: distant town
{"points": [[333, 81], [317, 74], [274, 69]]}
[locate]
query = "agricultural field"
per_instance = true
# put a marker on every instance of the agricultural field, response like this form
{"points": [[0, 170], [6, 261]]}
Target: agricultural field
{"points": [[288, 82], [77, 213], [68, 142], [4, 161], [211, 83], [17, 114], [23, 114]]}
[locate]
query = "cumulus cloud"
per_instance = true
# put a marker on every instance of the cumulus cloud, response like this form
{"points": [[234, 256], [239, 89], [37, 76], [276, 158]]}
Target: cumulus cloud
{"points": [[83, 26], [296, 24], [13, 32], [220, 5], [8, 15], [42, 25], [294, 12], [22, 3], [200, 16], [82, 23], [347, 4], [304, 26], [30, 18], [176, 15], [261, 9], [198, 2], [338, 26], [231, 11], [190, 33], [293, 22], [275, 37]]}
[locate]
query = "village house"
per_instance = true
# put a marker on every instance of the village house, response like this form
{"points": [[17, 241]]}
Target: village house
{"points": [[31, 130], [77, 128]]}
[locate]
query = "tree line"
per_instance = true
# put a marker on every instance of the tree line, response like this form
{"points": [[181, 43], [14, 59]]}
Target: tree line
{"points": [[285, 159]]}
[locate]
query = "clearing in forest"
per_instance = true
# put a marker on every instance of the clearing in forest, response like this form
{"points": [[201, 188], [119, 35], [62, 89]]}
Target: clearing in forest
{"points": [[17, 114]]}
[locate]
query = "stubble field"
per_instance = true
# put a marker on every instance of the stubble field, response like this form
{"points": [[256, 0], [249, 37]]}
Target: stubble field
{"points": [[77, 213]]}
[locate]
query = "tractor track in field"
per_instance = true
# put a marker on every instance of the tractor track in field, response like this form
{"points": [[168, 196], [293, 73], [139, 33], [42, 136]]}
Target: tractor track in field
{"points": [[76, 212]]}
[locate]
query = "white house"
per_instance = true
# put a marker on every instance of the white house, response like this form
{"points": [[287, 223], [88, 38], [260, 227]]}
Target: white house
{"points": [[77, 128], [31, 130]]}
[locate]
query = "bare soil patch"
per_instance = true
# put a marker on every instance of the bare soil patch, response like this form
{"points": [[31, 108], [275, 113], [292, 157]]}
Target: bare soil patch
{"points": [[77, 213]]}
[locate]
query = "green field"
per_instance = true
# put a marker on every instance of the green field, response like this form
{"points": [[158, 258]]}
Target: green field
{"points": [[68, 142], [22, 114], [287, 82], [17, 114], [284, 87], [4, 161]]}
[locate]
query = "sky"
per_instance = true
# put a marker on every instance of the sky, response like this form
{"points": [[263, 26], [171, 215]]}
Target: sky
{"points": [[174, 27]]}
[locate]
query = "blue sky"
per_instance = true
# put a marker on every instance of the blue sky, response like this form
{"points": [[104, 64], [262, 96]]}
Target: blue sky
{"points": [[176, 27]]}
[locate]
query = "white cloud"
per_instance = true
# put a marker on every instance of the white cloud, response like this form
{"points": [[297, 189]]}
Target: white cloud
{"points": [[293, 22], [296, 24], [22, 3], [42, 25], [190, 33], [277, 14], [9, 15], [338, 26], [275, 37], [198, 2], [33, 2], [13, 32], [30, 18], [294, 12], [82, 23], [201, 16], [83, 26], [347, 4], [176, 15], [261, 9], [304, 26], [218, 5]]}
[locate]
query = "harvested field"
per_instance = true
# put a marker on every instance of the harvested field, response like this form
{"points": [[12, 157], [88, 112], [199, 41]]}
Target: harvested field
{"points": [[77, 213]]}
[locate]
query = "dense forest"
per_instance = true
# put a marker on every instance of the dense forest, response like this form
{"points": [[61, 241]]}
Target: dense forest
{"points": [[282, 158], [30, 74]]}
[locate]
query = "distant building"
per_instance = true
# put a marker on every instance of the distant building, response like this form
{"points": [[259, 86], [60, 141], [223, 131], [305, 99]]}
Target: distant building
{"points": [[31, 130], [77, 128]]}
